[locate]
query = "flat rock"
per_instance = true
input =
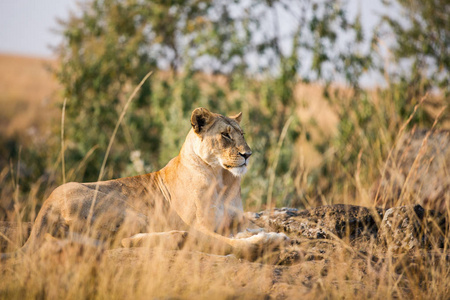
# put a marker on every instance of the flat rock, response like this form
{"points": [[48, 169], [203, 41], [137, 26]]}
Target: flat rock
{"points": [[323, 222], [411, 227]]}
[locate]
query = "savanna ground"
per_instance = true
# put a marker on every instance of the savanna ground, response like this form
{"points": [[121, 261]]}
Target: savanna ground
{"points": [[327, 152]]}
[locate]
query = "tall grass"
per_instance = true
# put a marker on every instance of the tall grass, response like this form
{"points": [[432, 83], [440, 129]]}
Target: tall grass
{"points": [[63, 269], [347, 161]]}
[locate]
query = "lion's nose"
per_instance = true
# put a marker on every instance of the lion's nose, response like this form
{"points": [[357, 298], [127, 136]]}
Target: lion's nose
{"points": [[245, 155]]}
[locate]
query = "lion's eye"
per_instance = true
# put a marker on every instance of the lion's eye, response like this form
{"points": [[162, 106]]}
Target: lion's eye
{"points": [[226, 135]]}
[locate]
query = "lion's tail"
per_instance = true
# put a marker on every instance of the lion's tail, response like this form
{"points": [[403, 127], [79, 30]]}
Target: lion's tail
{"points": [[19, 252], [10, 255], [34, 239]]}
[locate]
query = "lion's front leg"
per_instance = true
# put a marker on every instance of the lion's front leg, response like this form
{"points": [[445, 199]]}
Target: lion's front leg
{"points": [[171, 240]]}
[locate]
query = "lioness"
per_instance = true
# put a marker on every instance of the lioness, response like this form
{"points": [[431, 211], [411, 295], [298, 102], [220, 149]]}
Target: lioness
{"points": [[199, 189]]}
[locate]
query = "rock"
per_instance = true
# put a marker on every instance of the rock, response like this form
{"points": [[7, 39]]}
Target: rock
{"points": [[416, 172], [399, 229], [322, 222], [408, 228]]}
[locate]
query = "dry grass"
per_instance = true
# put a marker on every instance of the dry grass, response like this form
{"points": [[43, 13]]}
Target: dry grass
{"points": [[324, 269]]}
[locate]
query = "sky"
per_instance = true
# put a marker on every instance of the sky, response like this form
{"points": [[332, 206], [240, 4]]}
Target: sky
{"points": [[27, 26]]}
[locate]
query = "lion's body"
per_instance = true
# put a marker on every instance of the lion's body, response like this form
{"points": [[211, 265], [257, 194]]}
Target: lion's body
{"points": [[199, 188]]}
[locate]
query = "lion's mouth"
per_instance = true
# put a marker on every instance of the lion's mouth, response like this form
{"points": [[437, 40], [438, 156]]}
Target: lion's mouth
{"points": [[240, 166], [237, 170]]}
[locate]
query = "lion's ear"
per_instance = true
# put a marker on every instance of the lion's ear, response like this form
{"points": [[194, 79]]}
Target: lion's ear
{"points": [[201, 118], [237, 117]]}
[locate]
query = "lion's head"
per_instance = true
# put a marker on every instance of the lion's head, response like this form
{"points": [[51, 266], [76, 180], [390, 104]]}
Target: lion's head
{"points": [[220, 141]]}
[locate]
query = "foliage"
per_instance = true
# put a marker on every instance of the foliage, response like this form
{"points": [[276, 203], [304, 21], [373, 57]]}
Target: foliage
{"points": [[249, 56], [418, 42], [114, 43], [423, 41]]}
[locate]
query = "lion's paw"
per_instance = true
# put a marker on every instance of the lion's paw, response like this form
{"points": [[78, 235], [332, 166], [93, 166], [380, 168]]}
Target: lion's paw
{"points": [[264, 238], [263, 244], [248, 233]]}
